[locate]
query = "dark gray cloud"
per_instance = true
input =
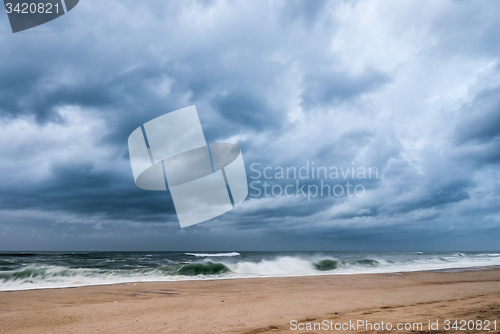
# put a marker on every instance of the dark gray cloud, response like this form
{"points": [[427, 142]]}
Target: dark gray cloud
{"points": [[303, 12], [413, 93], [480, 120], [329, 87]]}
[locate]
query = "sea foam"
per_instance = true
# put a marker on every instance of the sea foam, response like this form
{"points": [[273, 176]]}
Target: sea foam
{"points": [[58, 270]]}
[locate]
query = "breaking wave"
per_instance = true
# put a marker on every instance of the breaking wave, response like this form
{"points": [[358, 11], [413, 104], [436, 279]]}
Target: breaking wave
{"points": [[213, 255], [34, 271]]}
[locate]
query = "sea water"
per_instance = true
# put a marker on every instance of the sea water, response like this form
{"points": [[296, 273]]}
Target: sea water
{"points": [[35, 270]]}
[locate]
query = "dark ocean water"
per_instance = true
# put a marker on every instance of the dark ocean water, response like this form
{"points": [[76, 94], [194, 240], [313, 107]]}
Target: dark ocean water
{"points": [[31, 270]]}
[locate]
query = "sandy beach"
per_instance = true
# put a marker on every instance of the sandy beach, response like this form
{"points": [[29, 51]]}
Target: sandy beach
{"points": [[260, 305]]}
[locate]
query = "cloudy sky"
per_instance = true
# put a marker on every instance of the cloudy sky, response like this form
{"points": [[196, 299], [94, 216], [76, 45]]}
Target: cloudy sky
{"points": [[411, 88]]}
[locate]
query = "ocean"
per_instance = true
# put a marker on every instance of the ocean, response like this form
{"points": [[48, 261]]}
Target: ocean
{"points": [[36, 270]]}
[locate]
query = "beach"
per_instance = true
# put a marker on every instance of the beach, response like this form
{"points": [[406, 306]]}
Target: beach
{"points": [[260, 305]]}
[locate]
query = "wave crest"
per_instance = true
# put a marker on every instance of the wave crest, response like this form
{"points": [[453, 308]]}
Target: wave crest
{"points": [[213, 255], [207, 268]]}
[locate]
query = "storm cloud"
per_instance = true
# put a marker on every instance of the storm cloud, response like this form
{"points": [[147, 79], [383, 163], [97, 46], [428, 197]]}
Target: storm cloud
{"points": [[411, 89]]}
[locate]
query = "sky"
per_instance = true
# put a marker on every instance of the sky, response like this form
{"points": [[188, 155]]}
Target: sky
{"points": [[409, 89]]}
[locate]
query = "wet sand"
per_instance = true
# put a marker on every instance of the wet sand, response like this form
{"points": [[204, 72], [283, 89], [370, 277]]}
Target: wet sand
{"points": [[259, 305]]}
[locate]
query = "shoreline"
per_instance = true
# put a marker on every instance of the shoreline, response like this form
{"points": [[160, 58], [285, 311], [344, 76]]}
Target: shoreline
{"points": [[443, 270], [255, 305]]}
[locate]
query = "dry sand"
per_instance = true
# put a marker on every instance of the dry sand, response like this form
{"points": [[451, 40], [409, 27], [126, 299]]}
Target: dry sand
{"points": [[258, 305]]}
